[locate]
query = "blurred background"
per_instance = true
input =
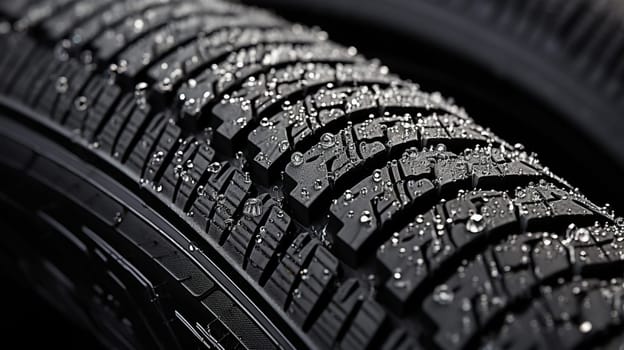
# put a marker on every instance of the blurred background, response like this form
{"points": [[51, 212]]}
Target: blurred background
{"points": [[30, 321]]}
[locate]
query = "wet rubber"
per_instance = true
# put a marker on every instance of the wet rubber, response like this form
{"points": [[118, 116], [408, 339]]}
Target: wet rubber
{"points": [[246, 183]]}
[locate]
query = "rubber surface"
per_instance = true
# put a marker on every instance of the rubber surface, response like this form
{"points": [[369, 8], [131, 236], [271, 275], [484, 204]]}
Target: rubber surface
{"points": [[565, 53], [327, 201]]}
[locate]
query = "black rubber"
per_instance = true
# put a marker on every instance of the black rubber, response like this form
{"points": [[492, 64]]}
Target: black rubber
{"points": [[205, 173], [524, 67]]}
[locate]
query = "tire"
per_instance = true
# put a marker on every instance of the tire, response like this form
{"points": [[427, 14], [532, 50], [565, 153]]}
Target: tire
{"points": [[558, 63], [257, 186]]}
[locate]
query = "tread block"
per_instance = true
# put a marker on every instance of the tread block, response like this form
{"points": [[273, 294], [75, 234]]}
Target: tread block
{"points": [[60, 25], [15, 9], [189, 59], [270, 244], [173, 40], [316, 284], [223, 181], [177, 169], [327, 165], [73, 96], [451, 305], [545, 203], [246, 232], [414, 178], [20, 88], [31, 13], [98, 105], [293, 265], [122, 11], [114, 40], [192, 172], [418, 251], [47, 99], [39, 86], [304, 121], [162, 150], [564, 315], [230, 207], [140, 155], [400, 340], [115, 124], [350, 320], [198, 92], [131, 131], [507, 274], [271, 90]]}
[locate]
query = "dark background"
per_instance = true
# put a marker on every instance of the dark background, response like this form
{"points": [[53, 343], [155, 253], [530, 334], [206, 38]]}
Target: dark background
{"points": [[31, 322]]}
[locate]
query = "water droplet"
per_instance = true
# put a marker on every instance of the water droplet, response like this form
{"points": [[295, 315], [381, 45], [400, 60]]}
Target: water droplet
{"points": [[283, 145], [139, 94], [138, 24], [476, 223], [242, 122], [585, 327], [118, 218], [577, 234], [327, 140], [229, 222], [157, 157], [81, 103], [366, 217], [296, 159], [583, 235], [253, 207], [166, 84], [201, 190], [619, 221], [443, 295], [247, 177], [214, 167], [441, 147], [305, 193], [521, 193], [318, 184], [62, 85], [348, 196], [377, 175]]}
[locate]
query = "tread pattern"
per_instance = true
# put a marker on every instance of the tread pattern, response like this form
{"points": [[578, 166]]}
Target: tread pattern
{"points": [[373, 214], [222, 322]]}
